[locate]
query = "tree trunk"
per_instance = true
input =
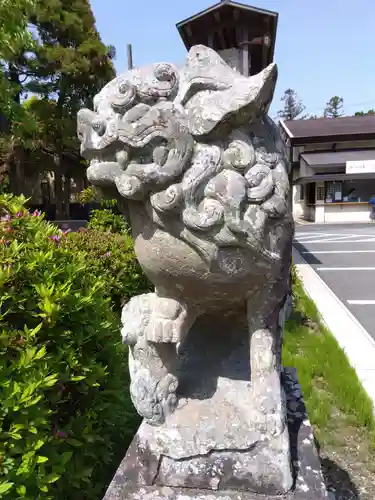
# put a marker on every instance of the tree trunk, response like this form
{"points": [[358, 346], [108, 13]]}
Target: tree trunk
{"points": [[67, 191], [9, 169], [19, 165], [59, 195], [59, 183], [15, 167]]}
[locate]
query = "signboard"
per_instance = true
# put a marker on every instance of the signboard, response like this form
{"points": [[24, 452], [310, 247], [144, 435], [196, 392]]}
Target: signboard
{"points": [[360, 167]]}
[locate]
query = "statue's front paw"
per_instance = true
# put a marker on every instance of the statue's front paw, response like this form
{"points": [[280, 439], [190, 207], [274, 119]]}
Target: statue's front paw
{"points": [[169, 321], [153, 398], [135, 317]]}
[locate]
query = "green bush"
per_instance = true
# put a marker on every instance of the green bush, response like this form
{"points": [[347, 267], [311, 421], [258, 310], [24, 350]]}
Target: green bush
{"points": [[105, 219], [65, 413], [111, 257]]}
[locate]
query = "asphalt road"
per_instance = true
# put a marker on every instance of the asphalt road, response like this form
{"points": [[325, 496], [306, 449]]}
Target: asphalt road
{"points": [[344, 257]]}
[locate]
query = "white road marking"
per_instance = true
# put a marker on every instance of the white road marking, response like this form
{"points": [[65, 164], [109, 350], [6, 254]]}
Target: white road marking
{"points": [[309, 236], [345, 268], [303, 233], [361, 302], [337, 251], [312, 235], [336, 236], [315, 242], [340, 237]]}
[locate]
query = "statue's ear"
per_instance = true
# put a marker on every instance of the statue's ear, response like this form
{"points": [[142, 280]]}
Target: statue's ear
{"points": [[212, 93]]}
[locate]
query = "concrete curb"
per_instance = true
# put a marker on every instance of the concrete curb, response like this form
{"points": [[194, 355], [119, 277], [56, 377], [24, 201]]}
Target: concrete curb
{"points": [[355, 341]]}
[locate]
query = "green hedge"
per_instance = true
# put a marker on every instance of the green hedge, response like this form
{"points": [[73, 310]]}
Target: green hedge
{"points": [[111, 257], [65, 413], [104, 219]]}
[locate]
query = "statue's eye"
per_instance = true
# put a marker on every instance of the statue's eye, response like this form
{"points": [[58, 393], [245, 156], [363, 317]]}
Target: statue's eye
{"points": [[99, 127]]}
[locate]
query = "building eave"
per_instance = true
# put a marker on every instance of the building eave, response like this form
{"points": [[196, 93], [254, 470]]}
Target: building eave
{"points": [[300, 141]]}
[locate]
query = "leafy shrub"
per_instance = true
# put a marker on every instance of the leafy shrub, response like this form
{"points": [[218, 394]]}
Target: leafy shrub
{"points": [[65, 412], [88, 195], [111, 257], [105, 219]]}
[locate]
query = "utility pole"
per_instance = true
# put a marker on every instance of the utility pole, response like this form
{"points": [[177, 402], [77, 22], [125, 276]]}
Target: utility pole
{"points": [[130, 56]]}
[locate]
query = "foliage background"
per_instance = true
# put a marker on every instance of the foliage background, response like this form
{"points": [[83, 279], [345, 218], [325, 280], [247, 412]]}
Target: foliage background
{"points": [[66, 416]]}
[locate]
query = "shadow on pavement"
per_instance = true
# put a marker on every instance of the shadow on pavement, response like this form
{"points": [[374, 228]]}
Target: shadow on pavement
{"points": [[309, 257], [337, 480]]}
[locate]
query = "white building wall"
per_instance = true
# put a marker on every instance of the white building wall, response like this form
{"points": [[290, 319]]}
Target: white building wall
{"points": [[297, 203], [346, 213]]}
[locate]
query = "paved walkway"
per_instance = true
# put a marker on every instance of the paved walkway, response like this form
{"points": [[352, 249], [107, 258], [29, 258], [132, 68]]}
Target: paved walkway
{"points": [[352, 337]]}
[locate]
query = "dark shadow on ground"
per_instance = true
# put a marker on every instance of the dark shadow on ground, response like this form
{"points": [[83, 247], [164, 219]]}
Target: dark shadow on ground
{"points": [[337, 479], [308, 257]]}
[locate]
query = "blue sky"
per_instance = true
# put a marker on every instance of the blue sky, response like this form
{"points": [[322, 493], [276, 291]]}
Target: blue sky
{"points": [[323, 47]]}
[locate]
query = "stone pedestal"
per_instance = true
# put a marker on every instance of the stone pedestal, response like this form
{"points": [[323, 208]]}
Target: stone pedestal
{"points": [[136, 470], [211, 446]]}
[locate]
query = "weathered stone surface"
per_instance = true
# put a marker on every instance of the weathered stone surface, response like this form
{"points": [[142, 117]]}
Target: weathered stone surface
{"points": [[218, 438], [137, 475], [200, 170]]}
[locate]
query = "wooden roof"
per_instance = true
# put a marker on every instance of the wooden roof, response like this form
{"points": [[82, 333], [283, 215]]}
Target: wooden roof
{"points": [[323, 129], [226, 16]]}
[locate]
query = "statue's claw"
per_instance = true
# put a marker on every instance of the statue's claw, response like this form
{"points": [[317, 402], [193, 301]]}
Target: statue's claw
{"points": [[169, 321]]}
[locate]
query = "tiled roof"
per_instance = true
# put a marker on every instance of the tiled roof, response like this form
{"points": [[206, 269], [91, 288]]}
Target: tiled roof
{"points": [[326, 127]]}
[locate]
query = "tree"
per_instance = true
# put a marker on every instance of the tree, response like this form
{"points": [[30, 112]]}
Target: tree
{"points": [[370, 112], [334, 107], [15, 123], [14, 38], [64, 69], [70, 65], [293, 107]]}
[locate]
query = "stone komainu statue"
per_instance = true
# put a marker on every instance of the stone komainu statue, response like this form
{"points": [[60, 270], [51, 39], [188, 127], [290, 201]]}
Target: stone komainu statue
{"points": [[200, 171]]}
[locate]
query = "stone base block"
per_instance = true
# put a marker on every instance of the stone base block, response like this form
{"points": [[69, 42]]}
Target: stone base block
{"points": [[143, 475], [264, 468]]}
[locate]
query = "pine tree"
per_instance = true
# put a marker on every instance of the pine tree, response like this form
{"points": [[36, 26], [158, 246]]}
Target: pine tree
{"points": [[334, 107], [65, 67], [71, 65], [15, 38], [16, 125], [293, 107]]}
